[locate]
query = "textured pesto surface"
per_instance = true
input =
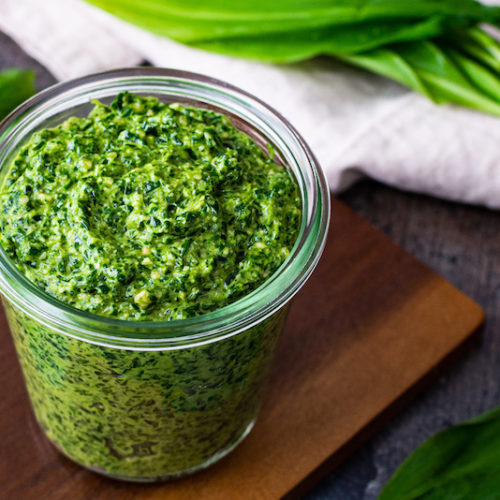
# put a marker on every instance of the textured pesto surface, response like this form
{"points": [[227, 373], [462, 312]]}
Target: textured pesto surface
{"points": [[148, 211], [139, 414]]}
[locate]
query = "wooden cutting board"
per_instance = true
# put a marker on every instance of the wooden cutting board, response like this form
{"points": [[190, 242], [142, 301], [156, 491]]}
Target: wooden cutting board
{"points": [[371, 328]]}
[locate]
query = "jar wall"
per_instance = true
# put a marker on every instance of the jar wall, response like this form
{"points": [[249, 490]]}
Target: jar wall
{"points": [[144, 415], [139, 412]]}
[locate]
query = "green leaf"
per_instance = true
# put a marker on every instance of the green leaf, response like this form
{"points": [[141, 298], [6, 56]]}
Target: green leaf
{"points": [[345, 39], [433, 46], [16, 86], [443, 75], [387, 62], [460, 463], [477, 44], [484, 79], [192, 21]]}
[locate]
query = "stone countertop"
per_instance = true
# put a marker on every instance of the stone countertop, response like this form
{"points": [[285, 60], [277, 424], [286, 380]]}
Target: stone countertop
{"points": [[462, 243]]}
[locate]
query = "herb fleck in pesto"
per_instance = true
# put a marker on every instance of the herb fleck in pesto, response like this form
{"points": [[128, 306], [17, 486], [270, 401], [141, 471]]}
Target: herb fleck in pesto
{"points": [[147, 211]]}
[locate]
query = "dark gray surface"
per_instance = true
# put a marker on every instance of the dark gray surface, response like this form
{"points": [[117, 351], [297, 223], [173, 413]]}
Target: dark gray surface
{"points": [[462, 243]]}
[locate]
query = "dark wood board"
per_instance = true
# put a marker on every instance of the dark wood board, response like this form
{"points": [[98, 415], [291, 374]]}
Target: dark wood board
{"points": [[371, 328]]}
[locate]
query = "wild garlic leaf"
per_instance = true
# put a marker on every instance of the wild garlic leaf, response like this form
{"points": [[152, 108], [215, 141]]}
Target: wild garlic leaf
{"points": [[443, 74], [334, 40], [460, 463], [433, 46], [476, 44], [192, 21], [16, 85]]}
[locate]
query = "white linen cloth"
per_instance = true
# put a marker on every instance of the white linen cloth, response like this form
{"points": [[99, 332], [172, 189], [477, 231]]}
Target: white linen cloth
{"points": [[356, 123]]}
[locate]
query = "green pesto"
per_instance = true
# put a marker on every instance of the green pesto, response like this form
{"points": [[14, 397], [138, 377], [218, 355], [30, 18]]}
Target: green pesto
{"points": [[147, 211], [138, 414], [153, 212]]}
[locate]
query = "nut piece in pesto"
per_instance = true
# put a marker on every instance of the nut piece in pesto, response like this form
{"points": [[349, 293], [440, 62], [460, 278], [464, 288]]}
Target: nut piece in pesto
{"points": [[153, 212]]}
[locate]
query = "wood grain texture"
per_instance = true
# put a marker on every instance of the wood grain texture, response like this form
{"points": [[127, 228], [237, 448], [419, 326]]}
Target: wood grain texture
{"points": [[369, 329]]}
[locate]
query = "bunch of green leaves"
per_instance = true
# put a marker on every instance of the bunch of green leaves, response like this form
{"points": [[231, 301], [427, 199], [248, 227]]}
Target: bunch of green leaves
{"points": [[16, 85], [460, 463], [434, 46]]}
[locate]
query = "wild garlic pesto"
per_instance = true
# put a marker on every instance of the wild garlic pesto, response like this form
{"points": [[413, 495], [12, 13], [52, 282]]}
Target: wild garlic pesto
{"points": [[147, 211], [144, 415]]}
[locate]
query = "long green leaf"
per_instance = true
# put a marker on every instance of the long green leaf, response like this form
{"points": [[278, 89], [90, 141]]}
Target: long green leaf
{"points": [[442, 75], [460, 463], [448, 81], [412, 41], [484, 79], [345, 39], [16, 86], [191, 21], [387, 62], [484, 40], [477, 44]]}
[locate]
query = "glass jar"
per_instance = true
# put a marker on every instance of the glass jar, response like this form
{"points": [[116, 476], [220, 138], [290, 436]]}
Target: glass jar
{"points": [[144, 400]]}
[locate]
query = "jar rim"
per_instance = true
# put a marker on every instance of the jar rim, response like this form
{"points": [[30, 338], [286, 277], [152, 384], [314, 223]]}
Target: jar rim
{"points": [[226, 321]]}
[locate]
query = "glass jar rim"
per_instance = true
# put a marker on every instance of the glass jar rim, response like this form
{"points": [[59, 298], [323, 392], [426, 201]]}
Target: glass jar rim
{"points": [[229, 320]]}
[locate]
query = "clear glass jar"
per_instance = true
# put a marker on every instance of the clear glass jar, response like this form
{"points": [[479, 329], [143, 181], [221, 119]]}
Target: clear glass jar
{"points": [[154, 400]]}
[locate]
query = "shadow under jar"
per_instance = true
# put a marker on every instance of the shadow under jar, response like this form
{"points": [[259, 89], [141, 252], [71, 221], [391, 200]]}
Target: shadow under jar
{"points": [[151, 400]]}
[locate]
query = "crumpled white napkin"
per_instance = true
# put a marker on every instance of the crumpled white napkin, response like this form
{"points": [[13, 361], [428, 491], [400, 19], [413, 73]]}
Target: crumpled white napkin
{"points": [[356, 123]]}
